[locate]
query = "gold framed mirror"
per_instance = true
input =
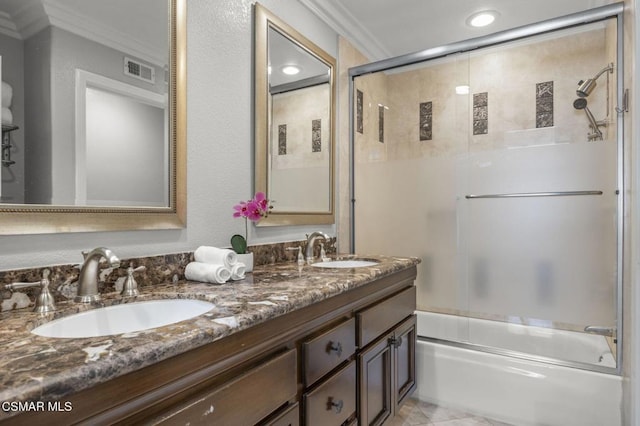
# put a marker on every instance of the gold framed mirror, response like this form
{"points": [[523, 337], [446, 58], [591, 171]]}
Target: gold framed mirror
{"points": [[81, 212], [294, 108]]}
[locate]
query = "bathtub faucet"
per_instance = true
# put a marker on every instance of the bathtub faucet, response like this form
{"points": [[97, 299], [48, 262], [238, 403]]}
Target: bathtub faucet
{"points": [[601, 330]]}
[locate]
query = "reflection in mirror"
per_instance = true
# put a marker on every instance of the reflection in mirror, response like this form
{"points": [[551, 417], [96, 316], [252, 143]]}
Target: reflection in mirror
{"points": [[294, 124], [93, 115]]}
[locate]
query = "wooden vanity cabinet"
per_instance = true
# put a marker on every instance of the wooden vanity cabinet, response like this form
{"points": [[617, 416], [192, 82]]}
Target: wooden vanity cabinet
{"points": [[386, 360], [346, 360], [387, 373]]}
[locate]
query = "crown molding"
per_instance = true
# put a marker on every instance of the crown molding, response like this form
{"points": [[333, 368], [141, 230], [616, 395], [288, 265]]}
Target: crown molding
{"points": [[32, 16], [345, 24], [67, 19], [24, 19], [8, 27]]}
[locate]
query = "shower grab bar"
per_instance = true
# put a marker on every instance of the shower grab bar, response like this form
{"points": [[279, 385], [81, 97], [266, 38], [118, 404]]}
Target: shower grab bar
{"points": [[533, 194]]}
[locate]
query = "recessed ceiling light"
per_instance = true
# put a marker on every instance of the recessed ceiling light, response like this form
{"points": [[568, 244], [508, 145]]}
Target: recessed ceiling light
{"points": [[483, 18], [291, 69]]}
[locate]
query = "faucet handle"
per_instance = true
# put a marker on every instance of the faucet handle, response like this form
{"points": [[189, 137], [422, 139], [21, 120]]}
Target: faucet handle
{"points": [[130, 287], [44, 282], [300, 257], [45, 301], [131, 270]]}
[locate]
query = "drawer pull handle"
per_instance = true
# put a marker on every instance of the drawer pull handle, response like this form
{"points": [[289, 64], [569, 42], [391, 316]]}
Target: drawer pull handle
{"points": [[395, 342], [337, 347], [336, 405]]}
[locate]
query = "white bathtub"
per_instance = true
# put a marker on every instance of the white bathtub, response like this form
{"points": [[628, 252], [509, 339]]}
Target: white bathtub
{"points": [[514, 390]]}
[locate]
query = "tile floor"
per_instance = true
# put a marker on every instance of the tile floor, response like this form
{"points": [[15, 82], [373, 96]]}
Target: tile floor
{"points": [[418, 413]]}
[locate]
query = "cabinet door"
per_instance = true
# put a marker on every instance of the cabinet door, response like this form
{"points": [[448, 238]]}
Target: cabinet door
{"points": [[375, 381], [404, 374]]}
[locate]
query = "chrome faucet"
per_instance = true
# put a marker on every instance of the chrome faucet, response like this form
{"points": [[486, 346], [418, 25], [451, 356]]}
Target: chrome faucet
{"points": [[601, 330], [88, 280], [311, 239]]}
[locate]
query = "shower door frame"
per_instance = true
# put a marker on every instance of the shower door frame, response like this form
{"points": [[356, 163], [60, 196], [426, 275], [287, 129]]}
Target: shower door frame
{"points": [[615, 10]]}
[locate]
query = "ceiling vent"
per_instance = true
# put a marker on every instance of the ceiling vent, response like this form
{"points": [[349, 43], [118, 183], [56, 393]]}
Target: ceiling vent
{"points": [[139, 70]]}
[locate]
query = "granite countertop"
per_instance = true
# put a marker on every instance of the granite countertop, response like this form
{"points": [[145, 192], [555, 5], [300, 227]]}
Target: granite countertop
{"points": [[36, 368]]}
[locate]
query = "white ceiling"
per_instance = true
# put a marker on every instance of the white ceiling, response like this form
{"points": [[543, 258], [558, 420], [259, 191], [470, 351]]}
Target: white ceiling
{"points": [[381, 29]]}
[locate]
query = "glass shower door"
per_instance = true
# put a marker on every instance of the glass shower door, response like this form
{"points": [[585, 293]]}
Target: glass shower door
{"points": [[538, 198], [485, 166], [541, 248]]}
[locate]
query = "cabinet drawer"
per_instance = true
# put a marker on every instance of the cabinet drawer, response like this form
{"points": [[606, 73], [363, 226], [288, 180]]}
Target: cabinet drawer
{"points": [[243, 401], [374, 321], [290, 417], [333, 402], [328, 350]]}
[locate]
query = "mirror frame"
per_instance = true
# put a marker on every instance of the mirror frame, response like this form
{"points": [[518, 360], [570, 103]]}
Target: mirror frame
{"points": [[18, 219], [263, 21]]}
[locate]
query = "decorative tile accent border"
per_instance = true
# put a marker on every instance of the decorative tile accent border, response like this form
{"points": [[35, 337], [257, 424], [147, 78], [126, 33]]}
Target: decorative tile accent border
{"points": [[426, 121], [481, 113], [282, 139], [381, 123], [159, 270], [359, 111], [544, 104], [316, 135]]}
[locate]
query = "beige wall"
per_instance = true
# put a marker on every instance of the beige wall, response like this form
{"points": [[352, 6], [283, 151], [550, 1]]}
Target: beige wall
{"points": [[348, 56]]}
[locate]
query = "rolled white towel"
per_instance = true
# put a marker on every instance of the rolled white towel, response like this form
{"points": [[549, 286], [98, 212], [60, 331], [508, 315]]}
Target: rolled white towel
{"points": [[7, 116], [7, 94], [238, 271], [207, 272], [207, 254]]}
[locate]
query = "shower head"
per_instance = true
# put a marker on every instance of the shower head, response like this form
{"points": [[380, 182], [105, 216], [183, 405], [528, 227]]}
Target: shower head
{"points": [[581, 103], [585, 87]]}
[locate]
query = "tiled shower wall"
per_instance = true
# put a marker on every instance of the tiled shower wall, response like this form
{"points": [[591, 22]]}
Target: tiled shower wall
{"points": [[300, 159], [510, 76]]}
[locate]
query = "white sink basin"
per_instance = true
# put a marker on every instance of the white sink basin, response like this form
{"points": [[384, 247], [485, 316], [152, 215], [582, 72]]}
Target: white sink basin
{"points": [[124, 318], [348, 263]]}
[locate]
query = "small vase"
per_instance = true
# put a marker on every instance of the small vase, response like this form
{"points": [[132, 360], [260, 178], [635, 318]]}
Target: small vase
{"points": [[247, 259]]}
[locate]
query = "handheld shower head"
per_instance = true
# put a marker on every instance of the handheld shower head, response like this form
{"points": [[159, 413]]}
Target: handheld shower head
{"points": [[581, 103], [585, 87]]}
